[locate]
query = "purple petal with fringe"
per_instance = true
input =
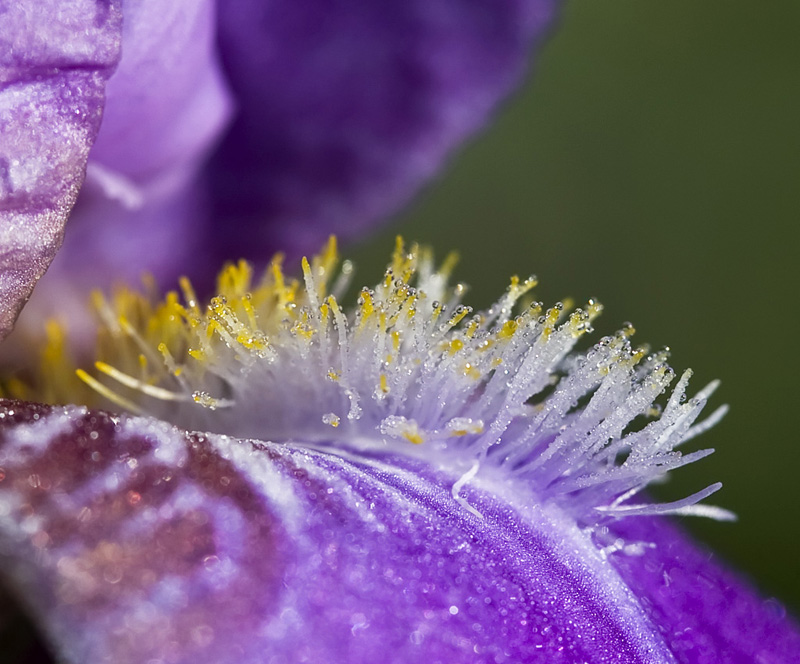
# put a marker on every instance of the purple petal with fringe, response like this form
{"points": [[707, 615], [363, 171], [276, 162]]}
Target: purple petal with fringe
{"points": [[132, 541]]}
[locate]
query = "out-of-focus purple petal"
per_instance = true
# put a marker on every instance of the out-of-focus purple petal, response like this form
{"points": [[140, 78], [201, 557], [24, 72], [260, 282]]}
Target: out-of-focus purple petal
{"points": [[55, 59], [347, 108], [165, 105], [707, 614], [132, 541], [165, 108]]}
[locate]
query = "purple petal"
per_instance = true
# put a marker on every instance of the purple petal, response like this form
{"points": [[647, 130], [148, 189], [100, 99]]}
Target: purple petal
{"points": [[132, 541], [52, 77], [165, 108], [167, 103], [707, 614], [348, 108]]}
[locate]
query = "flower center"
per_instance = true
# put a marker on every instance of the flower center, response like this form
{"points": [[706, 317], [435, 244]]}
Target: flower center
{"points": [[407, 369]]}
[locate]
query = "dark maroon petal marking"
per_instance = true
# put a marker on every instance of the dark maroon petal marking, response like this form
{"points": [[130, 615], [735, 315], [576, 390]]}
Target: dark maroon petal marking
{"points": [[52, 79], [129, 542]]}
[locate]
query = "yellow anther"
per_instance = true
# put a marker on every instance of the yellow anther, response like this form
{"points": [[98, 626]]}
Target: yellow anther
{"points": [[458, 433], [553, 314], [414, 436], [594, 309], [458, 316], [323, 265], [367, 305], [303, 330], [189, 296], [409, 306], [306, 267], [277, 271], [331, 419], [207, 401], [398, 257], [334, 305], [508, 330], [454, 346], [438, 308], [136, 384], [16, 389], [449, 264], [471, 371], [579, 323]]}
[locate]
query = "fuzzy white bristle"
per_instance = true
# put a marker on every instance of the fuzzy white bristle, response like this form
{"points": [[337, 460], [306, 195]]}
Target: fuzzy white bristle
{"points": [[410, 368]]}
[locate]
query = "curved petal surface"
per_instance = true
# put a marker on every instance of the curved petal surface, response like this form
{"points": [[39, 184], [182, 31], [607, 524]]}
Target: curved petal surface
{"points": [[707, 614], [348, 108], [55, 59], [166, 103], [166, 106], [133, 541]]}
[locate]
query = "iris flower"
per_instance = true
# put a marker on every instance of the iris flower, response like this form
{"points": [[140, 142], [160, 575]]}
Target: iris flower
{"points": [[276, 475]]}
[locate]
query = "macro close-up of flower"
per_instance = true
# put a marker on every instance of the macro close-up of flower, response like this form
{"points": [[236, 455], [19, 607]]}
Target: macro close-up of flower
{"points": [[221, 442]]}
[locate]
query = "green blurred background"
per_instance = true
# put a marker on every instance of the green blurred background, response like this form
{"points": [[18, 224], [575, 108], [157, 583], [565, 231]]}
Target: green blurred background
{"points": [[652, 160]]}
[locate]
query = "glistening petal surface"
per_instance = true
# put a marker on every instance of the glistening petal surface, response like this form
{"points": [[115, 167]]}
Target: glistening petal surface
{"points": [[347, 108], [55, 59], [131, 540], [706, 613]]}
